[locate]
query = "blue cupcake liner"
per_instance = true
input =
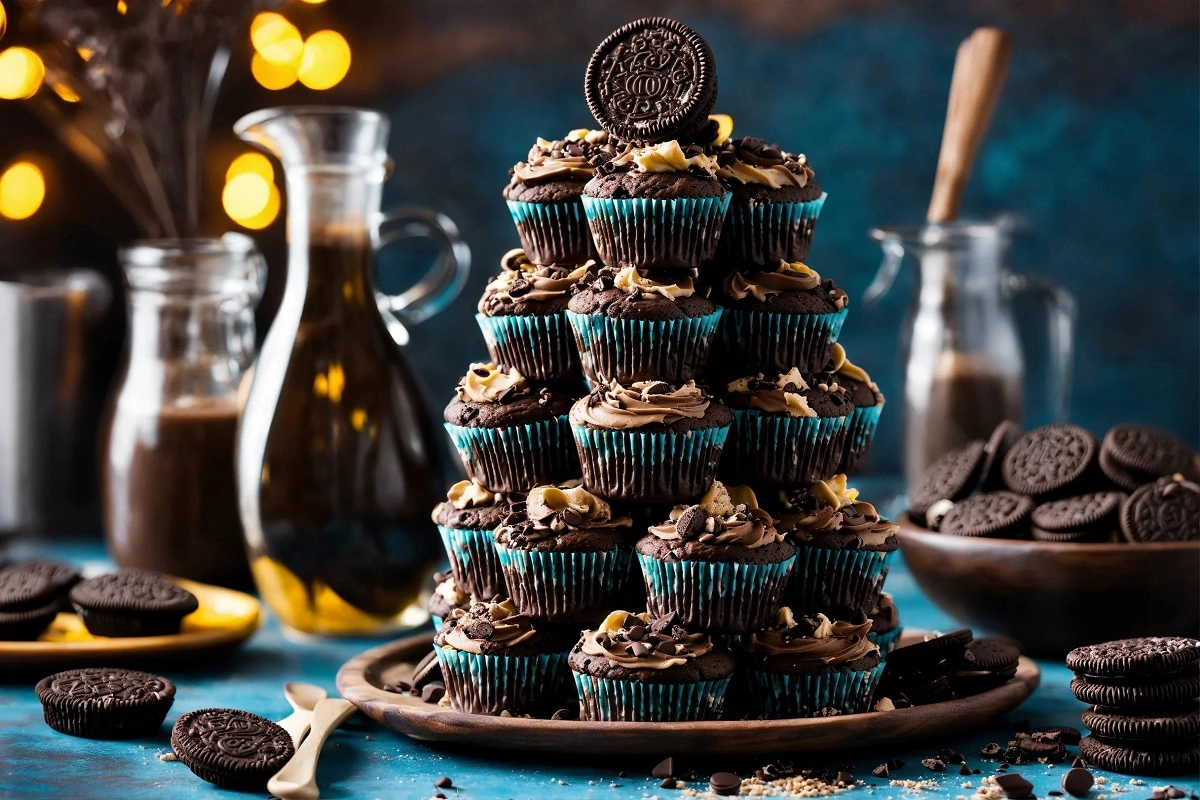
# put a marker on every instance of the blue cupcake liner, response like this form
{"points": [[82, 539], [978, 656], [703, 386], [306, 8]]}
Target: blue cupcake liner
{"points": [[518, 457], [649, 467], [716, 596], [628, 350], [437, 622], [887, 641], [837, 582], [473, 561], [654, 233], [541, 347], [553, 233], [765, 233], [762, 341], [863, 422], [614, 700], [783, 450], [489, 684], [566, 586], [779, 695]]}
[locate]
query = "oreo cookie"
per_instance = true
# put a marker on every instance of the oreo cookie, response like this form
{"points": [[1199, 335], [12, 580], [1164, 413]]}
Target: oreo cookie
{"points": [[1050, 461], [231, 749], [998, 515], [1085, 518], [62, 577], [995, 449], [922, 672], [1163, 694], [1147, 453], [1119, 724], [985, 664], [132, 603], [652, 80], [1117, 757], [1120, 477], [1143, 657], [952, 477], [28, 604], [934, 650], [1167, 510], [105, 703]]}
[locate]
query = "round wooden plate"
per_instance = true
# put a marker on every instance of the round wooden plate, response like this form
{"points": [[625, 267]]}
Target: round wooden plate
{"points": [[224, 620], [360, 679]]}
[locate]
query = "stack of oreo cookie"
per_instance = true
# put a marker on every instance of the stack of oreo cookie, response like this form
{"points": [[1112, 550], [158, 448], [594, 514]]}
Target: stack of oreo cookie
{"points": [[1143, 717], [946, 666], [1058, 484]]}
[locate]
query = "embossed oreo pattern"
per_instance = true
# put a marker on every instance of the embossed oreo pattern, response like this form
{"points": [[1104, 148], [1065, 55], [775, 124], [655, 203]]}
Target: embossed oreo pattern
{"points": [[21, 590], [101, 683], [1149, 450], [230, 748], [998, 514], [134, 590], [1073, 513], [951, 477], [105, 702], [1049, 459], [1140, 657], [1164, 511]]}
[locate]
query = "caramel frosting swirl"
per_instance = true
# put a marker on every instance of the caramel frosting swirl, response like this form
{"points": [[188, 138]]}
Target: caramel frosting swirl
{"points": [[831, 505], [632, 280], [763, 284], [449, 591], [784, 395], [471, 494], [573, 158], [641, 403], [522, 280], [498, 623], [841, 366], [728, 516], [637, 641], [813, 639], [552, 510], [751, 160], [488, 383], [666, 156]]}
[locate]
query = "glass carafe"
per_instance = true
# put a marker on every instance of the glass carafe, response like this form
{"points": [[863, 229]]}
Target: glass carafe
{"points": [[962, 363], [170, 498], [336, 456]]}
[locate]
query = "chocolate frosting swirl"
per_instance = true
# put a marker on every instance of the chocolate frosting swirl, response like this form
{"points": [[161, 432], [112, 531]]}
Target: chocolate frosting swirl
{"points": [[749, 159], [488, 383], [813, 639], [832, 506], [496, 622], [723, 516], [520, 280], [573, 158], [666, 156], [468, 494], [784, 395], [762, 284], [641, 403], [552, 510], [637, 641]]}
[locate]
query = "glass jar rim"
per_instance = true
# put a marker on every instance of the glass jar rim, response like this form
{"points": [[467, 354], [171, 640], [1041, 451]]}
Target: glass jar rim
{"points": [[228, 266]]}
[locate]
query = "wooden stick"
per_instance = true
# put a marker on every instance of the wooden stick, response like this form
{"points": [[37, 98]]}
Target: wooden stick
{"points": [[979, 71], [298, 778]]}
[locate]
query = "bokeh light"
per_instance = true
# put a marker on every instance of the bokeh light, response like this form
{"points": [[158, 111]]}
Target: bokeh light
{"points": [[21, 73], [326, 60], [22, 190], [275, 39], [122, 7], [65, 92], [314, 2], [252, 163], [246, 195], [272, 76], [265, 217], [3, 19]]}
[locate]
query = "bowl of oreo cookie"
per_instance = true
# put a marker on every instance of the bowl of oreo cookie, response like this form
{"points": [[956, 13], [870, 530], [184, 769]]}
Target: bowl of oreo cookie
{"points": [[1056, 539]]}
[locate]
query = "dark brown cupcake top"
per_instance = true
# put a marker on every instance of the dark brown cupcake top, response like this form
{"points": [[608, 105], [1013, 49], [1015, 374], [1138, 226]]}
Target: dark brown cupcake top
{"points": [[525, 287], [554, 511], [812, 639], [572, 158], [638, 641], [639, 404], [829, 514], [791, 393], [724, 516], [749, 159]]}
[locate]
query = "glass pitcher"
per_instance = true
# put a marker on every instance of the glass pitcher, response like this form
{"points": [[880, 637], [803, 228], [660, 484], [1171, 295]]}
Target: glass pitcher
{"points": [[962, 363], [335, 451]]}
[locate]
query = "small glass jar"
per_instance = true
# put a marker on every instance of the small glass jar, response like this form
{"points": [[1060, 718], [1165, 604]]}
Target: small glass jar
{"points": [[170, 493]]}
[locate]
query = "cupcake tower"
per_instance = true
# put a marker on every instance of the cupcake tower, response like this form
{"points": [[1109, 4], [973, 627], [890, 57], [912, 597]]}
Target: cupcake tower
{"points": [[682, 524]]}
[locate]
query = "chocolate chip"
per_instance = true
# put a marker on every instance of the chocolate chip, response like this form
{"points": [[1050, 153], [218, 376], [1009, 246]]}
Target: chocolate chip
{"points": [[881, 771], [668, 783], [637, 649], [725, 783], [572, 517], [443, 783], [664, 768], [845, 779], [569, 714], [990, 750], [935, 764], [691, 521], [433, 693], [480, 371], [964, 770], [667, 648], [658, 387], [665, 622], [1078, 763], [1014, 786], [636, 633], [1077, 782]]}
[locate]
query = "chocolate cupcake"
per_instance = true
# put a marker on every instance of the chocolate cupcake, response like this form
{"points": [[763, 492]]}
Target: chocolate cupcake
{"points": [[843, 548], [496, 660], [810, 666], [521, 317], [650, 442], [565, 555], [885, 624], [657, 207], [510, 434], [788, 429], [720, 565], [781, 317], [774, 206], [466, 520], [868, 406], [447, 595], [543, 196], [641, 668], [633, 325]]}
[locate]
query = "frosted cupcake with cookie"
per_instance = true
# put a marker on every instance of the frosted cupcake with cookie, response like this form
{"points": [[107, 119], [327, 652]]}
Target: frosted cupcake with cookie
{"points": [[868, 406], [465, 521]]}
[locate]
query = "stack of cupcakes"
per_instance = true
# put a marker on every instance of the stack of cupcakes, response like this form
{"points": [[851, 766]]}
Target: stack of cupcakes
{"points": [[658, 329]]}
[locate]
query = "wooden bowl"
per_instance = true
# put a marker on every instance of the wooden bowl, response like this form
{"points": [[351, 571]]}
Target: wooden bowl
{"points": [[1054, 597]]}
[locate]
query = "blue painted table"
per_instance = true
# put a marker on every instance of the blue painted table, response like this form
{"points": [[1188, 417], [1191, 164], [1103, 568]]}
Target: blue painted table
{"points": [[365, 761]]}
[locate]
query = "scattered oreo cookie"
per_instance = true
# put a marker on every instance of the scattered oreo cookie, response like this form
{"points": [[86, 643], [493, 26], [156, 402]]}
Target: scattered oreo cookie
{"points": [[952, 477], [231, 749], [1077, 782], [1117, 757], [1050, 461], [1092, 517], [105, 703], [132, 603], [1167, 510], [922, 673], [996, 515], [985, 664]]}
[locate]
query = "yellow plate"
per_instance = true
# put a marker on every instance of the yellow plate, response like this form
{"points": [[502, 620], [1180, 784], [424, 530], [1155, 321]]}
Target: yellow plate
{"points": [[224, 620]]}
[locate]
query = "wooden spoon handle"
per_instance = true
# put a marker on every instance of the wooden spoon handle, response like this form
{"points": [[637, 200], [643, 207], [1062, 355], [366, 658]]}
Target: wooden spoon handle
{"points": [[979, 72], [297, 724], [298, 778]]}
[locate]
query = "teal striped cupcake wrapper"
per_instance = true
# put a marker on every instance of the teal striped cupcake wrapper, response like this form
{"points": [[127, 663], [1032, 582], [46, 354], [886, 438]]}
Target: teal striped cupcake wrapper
{"points": [[863, 422], [783, 696], [437, 622], [654, 233], [540, 346], [609, 700], [887, 641], [519, 457], [473, 561], [762, 341], [649, 467], [566, 586], [489, 684], [764, 233], [837, 582], [553, 233], [783, 450], [628, 350], [716, 596]]}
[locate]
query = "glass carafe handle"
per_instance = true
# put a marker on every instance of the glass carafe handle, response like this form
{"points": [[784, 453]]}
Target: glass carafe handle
{"points": [[444, 280], [1060, 310]]}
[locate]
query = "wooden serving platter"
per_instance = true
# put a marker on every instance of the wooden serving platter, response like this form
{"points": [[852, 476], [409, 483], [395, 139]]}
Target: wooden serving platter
{"points": [[360, 681]]}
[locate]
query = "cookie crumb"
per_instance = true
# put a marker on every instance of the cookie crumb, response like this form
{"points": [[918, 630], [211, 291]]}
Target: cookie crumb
{"points": [[167, 757]]}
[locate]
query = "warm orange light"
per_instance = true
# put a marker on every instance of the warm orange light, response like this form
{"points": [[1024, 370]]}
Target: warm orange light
{"points": [[65, 92], [326, 60], [21, 73], [22, 190], [314, 2], [3, 19], [275, 39], [265, 217], [122, 7], [246, 195], [272, 76], [253, 163]]}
